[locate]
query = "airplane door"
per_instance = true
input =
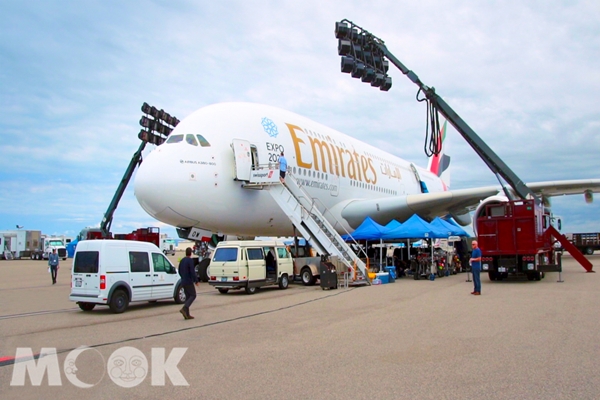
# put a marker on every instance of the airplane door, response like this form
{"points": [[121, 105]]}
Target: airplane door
{"points": [[334, 185], [242, 155]]}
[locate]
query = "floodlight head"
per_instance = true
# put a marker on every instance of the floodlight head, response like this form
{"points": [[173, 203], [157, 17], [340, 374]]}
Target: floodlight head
{"points": [[386, 65], [341, 30], [378, 80], [347, 64], [146, 108], [367, 56], [377, 62], [145, 122], [369, 75], [387, 84], [358, 70], [358, 51], [344, 47]]}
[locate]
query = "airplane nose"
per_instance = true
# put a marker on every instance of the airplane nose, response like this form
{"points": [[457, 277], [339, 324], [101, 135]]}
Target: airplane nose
{"points": [[157, 189]]}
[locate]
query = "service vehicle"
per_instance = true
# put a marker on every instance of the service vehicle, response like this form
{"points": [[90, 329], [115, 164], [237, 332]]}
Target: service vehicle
{"points": [[168, 246], [587, 243], [249, 265], [517, 237], [117, 272]]}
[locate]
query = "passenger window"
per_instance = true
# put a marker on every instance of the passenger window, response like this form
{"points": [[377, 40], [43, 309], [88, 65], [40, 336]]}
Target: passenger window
{"points": [[203, 142], [282, 252], [255, 254], [191, 140], [86, 262], [226, 254], [138, 261], [175, 139], [161, 264]]}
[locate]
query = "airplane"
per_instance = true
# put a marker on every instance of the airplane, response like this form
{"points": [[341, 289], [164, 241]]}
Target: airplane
{"points": [[195, 179]]}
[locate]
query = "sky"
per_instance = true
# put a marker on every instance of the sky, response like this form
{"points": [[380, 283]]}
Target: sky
{"points": [[73, 75]]}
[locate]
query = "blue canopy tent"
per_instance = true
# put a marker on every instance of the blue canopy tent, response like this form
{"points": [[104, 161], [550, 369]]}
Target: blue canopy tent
{"points": [[71, 248], [415, 228], [453, 222], [393, 224], [453, 230], [368, 230]]}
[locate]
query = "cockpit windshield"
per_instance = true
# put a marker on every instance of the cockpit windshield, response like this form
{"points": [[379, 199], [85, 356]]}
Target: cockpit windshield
{"points": [[175, 139], [189, 139]]}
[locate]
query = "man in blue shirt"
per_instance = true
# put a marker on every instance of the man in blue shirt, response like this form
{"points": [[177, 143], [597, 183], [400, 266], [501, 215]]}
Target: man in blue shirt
{"points": [[282, 167], [53, 263], [188, 280], [475, 262]]}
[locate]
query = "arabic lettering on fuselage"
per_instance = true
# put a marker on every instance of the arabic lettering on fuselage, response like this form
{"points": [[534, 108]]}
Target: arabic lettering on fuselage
{"points": [[387, 170], [323, 154]]}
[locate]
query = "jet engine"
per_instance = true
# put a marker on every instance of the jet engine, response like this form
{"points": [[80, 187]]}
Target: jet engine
{"points": [[481, 208]]}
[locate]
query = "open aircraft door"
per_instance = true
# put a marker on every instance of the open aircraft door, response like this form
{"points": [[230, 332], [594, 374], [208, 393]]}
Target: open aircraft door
{"points": [[243, 158]]}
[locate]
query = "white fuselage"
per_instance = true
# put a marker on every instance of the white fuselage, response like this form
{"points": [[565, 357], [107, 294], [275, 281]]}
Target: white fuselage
{"points": [[191, 181]]}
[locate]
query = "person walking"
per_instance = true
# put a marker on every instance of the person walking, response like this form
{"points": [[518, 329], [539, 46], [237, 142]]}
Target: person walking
{"points": [[53, 263], [282, 167], [188, 280], [475, 262]]}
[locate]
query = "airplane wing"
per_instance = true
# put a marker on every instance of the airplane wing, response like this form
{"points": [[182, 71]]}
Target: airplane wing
{"points": [[457, 203]]}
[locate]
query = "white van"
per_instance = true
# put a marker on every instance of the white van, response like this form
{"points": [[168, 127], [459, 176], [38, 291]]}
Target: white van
{"points": [[250, 264], [116, 272]]}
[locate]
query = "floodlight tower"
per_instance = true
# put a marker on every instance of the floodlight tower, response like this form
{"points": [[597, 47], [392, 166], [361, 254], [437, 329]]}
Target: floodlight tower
{"points": [[366, 56], [157, 128]]}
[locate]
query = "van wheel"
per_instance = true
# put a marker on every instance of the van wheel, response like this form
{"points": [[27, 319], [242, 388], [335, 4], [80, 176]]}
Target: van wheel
{"points": [[223, 291], [86, 306], [119, 301], [250, 290], [284, 282], [307, 277], [180, 296]]}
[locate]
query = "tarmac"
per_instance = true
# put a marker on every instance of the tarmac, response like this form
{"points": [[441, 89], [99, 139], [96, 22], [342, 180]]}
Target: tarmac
{"points": [[405, 340]]}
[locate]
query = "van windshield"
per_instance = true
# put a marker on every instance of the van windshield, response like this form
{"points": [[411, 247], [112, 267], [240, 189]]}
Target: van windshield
{"points": [[226, 254], [86, 262]]}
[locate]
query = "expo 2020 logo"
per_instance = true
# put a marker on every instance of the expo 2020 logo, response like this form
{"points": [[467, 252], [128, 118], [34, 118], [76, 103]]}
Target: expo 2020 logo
{"points": [[269, 127]]}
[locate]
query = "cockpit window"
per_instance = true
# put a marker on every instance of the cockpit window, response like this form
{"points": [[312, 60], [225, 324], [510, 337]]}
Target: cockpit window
{"points": [[175, 139], [203, 142], [191, 139]]}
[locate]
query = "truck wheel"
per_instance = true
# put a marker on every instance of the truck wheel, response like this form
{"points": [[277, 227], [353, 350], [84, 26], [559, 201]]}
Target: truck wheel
{"points": [[250, 290], [492, 275], [180, 296], [119, 301], [86, 306], [223, 291], [283, 282], [307, 277], [537, 276], [589, 251]]}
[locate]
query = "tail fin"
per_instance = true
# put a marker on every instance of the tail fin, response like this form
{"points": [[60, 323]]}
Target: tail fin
{"points": [[439, 163]]}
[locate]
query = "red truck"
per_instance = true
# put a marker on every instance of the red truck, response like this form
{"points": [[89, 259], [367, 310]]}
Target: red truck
{"points": [[514, 239], [517, 237]]}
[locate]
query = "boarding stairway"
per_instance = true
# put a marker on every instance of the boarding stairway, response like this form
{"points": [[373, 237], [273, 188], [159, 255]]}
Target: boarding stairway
{"points": [[302, 210]]}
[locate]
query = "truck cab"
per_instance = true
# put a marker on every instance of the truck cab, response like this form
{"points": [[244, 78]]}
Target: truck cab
{"points": [[250, 265]]}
